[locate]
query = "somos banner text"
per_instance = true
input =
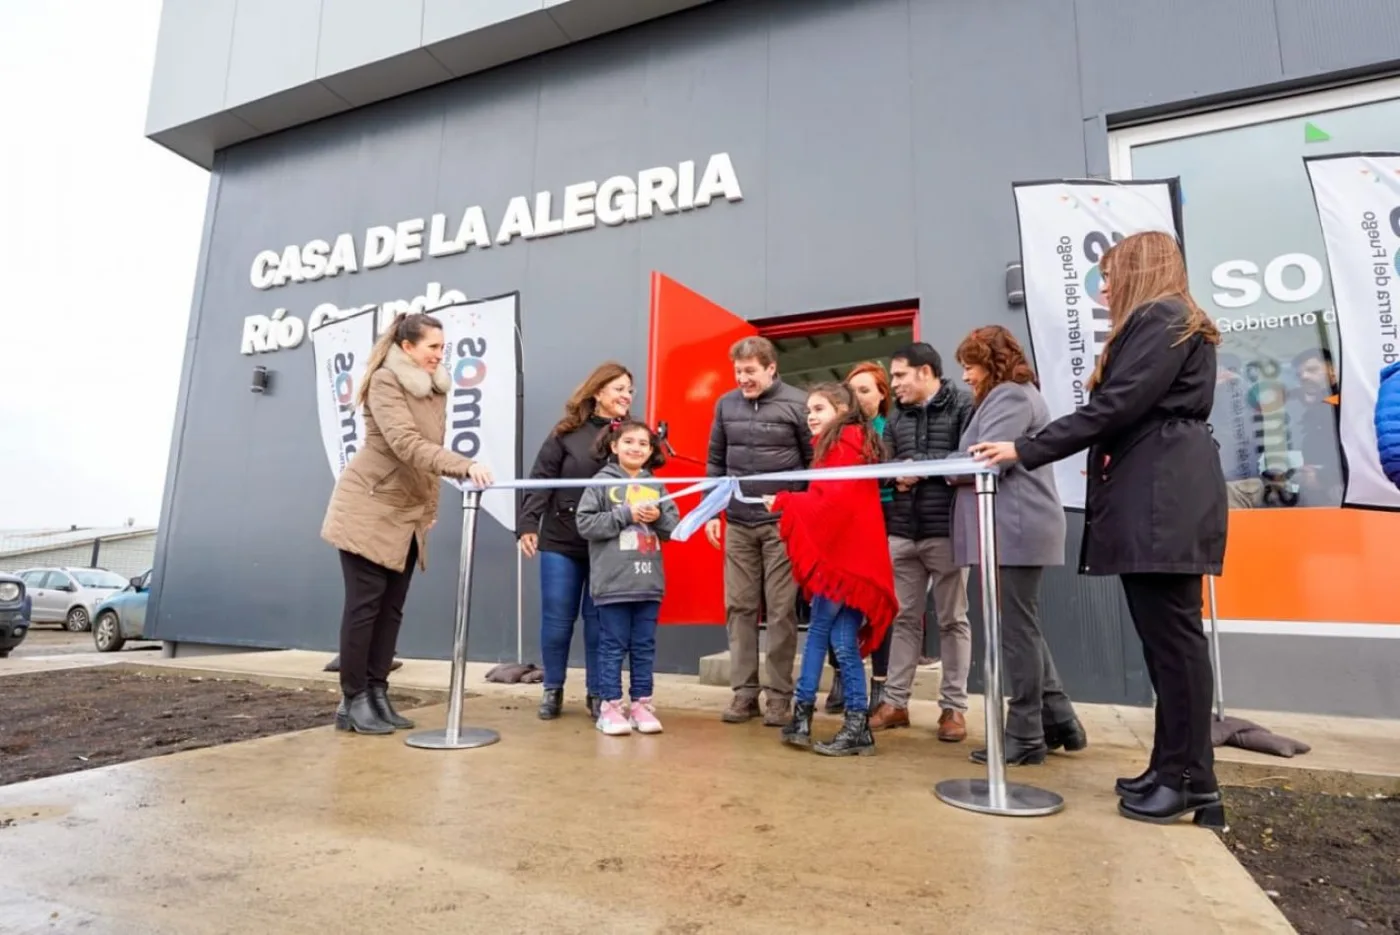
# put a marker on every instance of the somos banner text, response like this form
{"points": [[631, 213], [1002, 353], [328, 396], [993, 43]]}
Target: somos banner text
{"points": [[1358, 203], [1066, 228]]}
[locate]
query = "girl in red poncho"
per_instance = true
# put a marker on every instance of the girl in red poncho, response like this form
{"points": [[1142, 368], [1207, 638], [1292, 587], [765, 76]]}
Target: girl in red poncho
{"points": [[835, 537]]}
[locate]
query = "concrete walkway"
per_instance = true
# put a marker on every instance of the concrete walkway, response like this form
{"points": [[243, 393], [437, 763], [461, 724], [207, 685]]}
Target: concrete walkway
{"points": [[708, 828]]}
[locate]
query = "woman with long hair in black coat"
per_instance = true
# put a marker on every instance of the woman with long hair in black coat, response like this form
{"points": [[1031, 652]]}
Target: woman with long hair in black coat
{"points": [[1155, 511]]}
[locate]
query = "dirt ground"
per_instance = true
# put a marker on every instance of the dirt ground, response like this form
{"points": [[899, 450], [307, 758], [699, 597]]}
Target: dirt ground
{"points": [[1331, 863], [76, 719]]}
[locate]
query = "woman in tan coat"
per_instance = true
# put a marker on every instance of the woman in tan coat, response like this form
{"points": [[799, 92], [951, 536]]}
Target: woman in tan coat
{"points": [[383, 506]]}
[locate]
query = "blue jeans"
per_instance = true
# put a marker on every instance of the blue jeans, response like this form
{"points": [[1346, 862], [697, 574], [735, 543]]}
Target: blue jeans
{"points": [[628, 629], [563, 594], [838, 627]]}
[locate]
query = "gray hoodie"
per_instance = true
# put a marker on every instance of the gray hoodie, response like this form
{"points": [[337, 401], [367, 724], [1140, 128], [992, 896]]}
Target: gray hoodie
{"points": [[624, 557]]}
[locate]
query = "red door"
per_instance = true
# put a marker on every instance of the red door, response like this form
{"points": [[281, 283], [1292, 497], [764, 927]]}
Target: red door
{"points": [[688, 368]]}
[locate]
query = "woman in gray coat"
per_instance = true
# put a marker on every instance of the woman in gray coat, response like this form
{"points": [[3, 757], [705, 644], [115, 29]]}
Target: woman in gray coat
{"points": [[1030, 537]]}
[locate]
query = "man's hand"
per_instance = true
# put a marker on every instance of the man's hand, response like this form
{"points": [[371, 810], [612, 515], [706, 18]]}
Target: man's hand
{"points": [[646, 513], [905, 484], [530, 545], [768, 502], [712, 532]]}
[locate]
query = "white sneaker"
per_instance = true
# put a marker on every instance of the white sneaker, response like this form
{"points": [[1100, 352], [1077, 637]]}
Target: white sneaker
{"points": [[642, 714], [612, 720]]}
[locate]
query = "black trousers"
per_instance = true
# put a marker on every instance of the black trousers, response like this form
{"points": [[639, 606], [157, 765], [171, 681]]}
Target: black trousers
{"points": [[879, 659], [1166, 611], [369, 627]]}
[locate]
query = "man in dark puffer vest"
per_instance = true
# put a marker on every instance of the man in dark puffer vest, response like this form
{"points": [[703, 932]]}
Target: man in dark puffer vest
{"points": [[927, 425], [760, 427]]}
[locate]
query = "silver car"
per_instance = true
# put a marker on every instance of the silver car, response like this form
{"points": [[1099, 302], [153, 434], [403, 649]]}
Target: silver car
{"points": [[69, 595]]}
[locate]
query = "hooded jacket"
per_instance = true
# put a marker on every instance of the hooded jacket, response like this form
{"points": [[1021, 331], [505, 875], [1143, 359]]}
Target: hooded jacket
{"points": [[624, 556], [388, 493], [1388, 422]]}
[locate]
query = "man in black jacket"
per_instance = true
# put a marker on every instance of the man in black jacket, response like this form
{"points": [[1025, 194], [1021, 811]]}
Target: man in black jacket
{"points": [[760, 427], [927, 425]]}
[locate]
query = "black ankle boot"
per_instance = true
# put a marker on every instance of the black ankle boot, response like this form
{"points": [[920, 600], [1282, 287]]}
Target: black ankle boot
{"points": [[1016, 753], [356, 713], [798, 733], [595, 706], [877, 693], [379, 697], [1137, 786], [853, 739], [836, 698], [552, 704], [1067, 734], [1163, 805]]}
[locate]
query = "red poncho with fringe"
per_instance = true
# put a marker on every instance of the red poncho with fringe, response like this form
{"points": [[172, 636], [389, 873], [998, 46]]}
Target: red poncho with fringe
{"points": [[835, 536]]}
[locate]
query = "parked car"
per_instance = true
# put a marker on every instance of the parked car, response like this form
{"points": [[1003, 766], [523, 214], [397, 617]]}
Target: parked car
{"points": [[69, 595], [122, 616], [14, 612]]}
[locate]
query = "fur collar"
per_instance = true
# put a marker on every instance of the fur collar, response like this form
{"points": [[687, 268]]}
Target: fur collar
{"points": [[414, 379]]}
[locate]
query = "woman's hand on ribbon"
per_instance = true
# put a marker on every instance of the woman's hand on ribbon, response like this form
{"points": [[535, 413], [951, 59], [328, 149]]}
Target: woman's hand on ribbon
{"points": [[480, 475], [994, 453], [530, 544]]}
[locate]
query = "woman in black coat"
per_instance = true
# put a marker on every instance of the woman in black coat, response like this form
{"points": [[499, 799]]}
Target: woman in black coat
{"points": [[1155, 512], [546, 528]]}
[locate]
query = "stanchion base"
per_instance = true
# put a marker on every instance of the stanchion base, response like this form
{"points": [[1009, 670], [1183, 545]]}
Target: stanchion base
{"points": [[1021, 800], [468, 738]]}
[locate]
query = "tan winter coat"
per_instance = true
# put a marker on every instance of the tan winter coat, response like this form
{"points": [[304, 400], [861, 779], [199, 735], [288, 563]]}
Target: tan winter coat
{"points": [[388, 493]]}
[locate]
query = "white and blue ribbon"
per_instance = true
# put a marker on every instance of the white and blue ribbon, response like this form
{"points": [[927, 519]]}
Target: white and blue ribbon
{"points": [[723, 489]]}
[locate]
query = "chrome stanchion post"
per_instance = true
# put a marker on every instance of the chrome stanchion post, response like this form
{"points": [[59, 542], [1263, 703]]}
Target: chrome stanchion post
{"points": [[455, 736], [519, 606], [1215, 652], [994, 795]]}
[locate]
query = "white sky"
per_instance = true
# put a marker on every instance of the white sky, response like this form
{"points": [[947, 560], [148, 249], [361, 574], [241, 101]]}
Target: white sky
{"points": [[99, 237]]}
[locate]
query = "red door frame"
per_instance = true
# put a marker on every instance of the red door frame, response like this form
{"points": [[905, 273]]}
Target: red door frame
{"points": [[802, 326]]}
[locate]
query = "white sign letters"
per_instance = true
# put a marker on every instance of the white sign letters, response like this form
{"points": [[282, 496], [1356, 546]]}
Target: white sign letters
{"points": [[613, 202]]}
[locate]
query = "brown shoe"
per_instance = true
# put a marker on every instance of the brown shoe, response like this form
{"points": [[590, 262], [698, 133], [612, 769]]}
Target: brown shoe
{"points": [[740, 710], [952, 726], [888, 717], [777, 712]]}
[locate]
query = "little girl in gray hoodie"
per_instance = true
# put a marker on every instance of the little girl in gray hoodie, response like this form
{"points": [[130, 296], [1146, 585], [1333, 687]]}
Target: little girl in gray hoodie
{"points": [[625, 525]]}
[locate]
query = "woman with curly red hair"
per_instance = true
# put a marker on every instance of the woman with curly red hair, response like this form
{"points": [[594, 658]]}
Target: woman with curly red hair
{"points": [[1030, 537]]}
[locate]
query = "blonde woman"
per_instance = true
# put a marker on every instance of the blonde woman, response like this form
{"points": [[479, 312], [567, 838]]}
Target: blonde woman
{"points": [[383, 506]]}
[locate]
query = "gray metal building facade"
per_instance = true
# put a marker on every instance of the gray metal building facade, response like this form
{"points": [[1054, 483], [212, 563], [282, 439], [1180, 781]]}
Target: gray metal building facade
{"points": [[875, 141]]}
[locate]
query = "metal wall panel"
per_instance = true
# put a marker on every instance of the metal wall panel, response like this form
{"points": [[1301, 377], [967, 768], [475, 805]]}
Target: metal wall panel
{"points": [[355, 33], [274, 48], [1148, 53], [839, 217], [447, 19], [1325, 35], [191, 67]]}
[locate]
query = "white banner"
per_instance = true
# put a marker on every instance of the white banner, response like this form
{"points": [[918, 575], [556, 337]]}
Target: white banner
{"points": [[341, 349], [483, 404], [1066, 227], [1358, 203]]}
